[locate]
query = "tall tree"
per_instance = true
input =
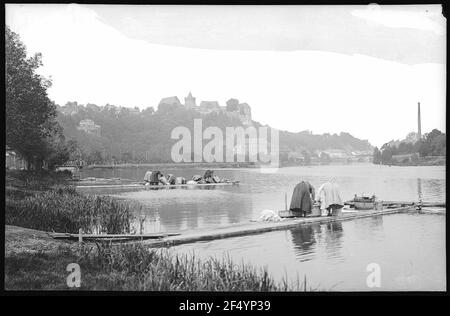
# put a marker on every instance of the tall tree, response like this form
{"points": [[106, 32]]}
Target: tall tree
{"points": [[30, 114], [376, 156]]}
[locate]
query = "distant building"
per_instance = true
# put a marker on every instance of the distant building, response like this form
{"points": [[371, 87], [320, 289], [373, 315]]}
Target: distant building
{"points": [[71, 108], [336, 153], [209, 107], [189, 101], [14, 160], [404, 158], [240, 110], [89, 126], [170, 101], [112, 109]]}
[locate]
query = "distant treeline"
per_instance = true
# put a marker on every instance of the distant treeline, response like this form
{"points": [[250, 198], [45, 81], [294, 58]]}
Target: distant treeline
{"points": [[144, 136], [431, 144]]}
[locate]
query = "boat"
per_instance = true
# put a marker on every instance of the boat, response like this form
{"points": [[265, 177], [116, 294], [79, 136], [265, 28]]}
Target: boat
{"points": [[364, 202], [142, 185]]}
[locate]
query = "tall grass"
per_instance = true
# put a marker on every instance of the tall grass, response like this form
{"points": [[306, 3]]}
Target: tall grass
{"points": [[64, 210], [134, 267], [140, 268], [36, 180]]}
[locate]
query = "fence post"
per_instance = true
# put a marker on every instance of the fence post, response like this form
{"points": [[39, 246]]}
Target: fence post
{"points": [[80, 241]]}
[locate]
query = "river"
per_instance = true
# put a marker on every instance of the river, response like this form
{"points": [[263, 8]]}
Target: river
{"points": [[409, 248]]}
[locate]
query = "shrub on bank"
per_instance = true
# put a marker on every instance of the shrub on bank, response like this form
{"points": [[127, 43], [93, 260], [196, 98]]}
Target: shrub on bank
{"points": [[62, 209]]}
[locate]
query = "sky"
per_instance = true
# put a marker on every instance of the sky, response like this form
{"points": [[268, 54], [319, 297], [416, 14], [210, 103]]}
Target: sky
{"points": [[328, 69]]}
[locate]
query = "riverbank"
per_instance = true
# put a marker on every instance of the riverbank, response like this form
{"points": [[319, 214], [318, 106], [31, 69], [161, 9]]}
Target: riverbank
{"points": [[168, 165], [35, 261], [214, 165]]}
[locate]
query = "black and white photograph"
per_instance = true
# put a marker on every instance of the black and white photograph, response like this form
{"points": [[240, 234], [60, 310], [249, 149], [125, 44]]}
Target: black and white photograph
{"points": [[225, 148]]}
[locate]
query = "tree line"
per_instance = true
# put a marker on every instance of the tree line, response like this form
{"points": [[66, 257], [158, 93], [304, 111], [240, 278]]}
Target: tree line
{"points": [[30, 116], [431, 144], [144, 137]]}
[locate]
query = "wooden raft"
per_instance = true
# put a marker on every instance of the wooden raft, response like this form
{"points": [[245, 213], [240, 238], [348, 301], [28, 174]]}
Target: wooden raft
{"points": [[140, 185], [251, 228]]}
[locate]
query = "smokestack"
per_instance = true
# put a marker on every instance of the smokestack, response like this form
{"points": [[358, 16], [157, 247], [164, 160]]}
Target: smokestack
{"points": [[419, 130]]}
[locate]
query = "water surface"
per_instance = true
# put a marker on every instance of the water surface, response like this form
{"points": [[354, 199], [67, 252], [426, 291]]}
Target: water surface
{"points": [[409, 249], [192, 208]]}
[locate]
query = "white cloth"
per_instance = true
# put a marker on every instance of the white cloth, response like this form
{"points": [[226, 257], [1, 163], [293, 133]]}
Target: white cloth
{"points": [[328, 194], [269, 216], [148, 176]]}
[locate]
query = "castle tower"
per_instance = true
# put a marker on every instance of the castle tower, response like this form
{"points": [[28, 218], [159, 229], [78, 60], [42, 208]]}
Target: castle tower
{"points": [[189, 101], [419, 129]]}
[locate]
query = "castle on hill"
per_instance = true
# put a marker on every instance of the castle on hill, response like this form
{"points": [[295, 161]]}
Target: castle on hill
{"points": [[233, 108]]}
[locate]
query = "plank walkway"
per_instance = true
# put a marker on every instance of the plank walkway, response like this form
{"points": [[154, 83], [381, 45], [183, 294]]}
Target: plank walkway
{"points": [[250, 228]]}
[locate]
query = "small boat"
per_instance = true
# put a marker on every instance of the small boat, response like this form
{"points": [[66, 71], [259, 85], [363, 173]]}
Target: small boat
{"points": [[364, 202]]}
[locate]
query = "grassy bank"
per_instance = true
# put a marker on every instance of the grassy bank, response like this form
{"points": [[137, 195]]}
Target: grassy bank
{"points": [[136, 268]]}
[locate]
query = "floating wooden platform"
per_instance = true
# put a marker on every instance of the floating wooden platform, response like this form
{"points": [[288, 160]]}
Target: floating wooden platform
{"points": [[110, 236], [140, 185], [243, 229], [404, 203]]}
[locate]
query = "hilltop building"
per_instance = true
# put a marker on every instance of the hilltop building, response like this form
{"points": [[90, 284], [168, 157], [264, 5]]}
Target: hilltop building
{"points": [[189, 101], [242, 111], [71, 108], [88, 126], [207, 107], [170, 101]]}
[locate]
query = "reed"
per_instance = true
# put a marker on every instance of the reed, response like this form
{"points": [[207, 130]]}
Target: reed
{"points": [[62, 209], [144, 269]]}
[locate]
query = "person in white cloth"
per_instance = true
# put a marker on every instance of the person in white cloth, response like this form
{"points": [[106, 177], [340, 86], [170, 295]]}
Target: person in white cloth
{"points": [[329, 197]]}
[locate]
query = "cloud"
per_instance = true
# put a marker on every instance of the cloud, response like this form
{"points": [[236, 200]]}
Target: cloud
{"points": [[427, 19]]}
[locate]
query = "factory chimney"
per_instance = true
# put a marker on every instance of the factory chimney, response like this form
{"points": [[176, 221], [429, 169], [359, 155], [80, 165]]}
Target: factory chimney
{"points": [[419, 130]]}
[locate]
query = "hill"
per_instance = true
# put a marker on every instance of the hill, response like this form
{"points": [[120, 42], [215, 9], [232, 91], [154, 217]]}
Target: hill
{"points": [[106, 134]]}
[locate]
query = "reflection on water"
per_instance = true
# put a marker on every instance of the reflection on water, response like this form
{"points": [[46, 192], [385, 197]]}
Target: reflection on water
{"points": [[191, 208], [410, 249], [333, 239], [304, 241]]}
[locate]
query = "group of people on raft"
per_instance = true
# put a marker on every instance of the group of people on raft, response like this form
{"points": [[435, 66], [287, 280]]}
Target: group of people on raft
{"points": [[304, 198], [157, 178]]}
